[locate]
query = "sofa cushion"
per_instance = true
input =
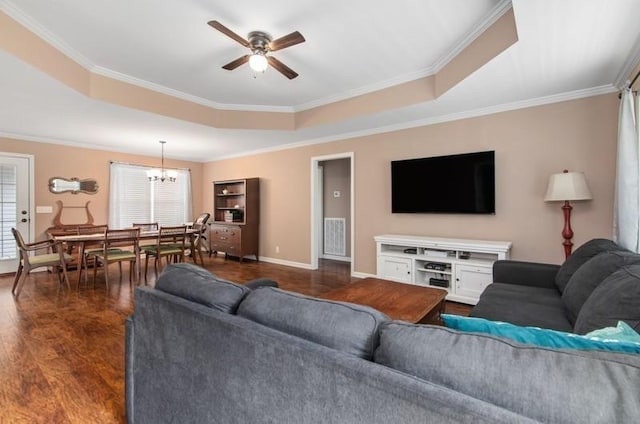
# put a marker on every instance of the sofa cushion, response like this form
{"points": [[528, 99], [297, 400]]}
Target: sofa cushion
{"points": [[544, 384], [523, 305], [580, 256], [540, 337], [617, 298], [342, 326], [198, 285], [590, 275]]}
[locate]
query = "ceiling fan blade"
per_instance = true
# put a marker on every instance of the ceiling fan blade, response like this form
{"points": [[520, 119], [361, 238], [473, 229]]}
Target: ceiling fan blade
{"points": [[233, 65], [226, 31], [286, 41], [281, 67]]}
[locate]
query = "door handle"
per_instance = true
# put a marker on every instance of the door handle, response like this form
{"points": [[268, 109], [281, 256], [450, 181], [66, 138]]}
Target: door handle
{"points": [[23, 220]]}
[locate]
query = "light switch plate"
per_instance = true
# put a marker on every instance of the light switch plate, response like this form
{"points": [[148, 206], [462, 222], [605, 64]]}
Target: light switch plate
{"points": [[44, 209]]}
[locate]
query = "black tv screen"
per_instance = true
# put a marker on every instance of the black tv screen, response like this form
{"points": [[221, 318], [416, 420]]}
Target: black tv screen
{"points": [[444, 184]]}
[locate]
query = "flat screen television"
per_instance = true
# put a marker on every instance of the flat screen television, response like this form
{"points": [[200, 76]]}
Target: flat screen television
{"points": [[463, 183]]}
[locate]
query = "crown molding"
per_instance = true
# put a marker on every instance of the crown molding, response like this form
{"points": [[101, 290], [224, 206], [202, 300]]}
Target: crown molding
{"points": [[540, 101], [629, 65], [100, 147], [99, 70], [32, 25], [506, 107], [412, 76], [49, 37], [495, 14], [35, 27]]}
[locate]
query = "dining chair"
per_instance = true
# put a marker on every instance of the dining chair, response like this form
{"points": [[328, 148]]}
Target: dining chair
{"points": [[90, 248], [57, 259], [200, 235], [119, 246], [198, 231], [169, 244], [146, 226]]}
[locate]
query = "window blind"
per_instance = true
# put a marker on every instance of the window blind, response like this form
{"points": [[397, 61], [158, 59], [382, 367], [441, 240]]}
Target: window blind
{"points": [[8, 210], [135, 199]]}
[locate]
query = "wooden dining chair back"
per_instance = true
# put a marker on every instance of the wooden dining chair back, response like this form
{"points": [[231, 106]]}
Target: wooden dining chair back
{"points": [[55, 258], [120, 246], [202, 218], [198, 236], [201, 236], [170, 245], [146, 226], [90, 248]]}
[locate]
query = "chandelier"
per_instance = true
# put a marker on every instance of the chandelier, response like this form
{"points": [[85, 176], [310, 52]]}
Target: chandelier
{"points": [[162, 174]]}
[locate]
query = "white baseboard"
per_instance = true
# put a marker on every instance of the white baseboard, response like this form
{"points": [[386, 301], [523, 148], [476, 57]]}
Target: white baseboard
{"points": [[363, 275], [308, 266], [286, 263], [337, 258]]}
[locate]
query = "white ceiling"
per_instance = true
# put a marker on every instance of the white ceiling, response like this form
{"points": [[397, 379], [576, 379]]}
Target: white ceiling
{"points": [[566, 49]]}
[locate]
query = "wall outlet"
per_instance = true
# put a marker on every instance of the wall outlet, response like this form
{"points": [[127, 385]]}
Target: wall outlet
{"points": [[277, 249]]}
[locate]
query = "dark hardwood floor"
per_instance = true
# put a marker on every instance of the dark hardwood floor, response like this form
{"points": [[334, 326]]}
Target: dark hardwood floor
{"points": [[62, 352]]}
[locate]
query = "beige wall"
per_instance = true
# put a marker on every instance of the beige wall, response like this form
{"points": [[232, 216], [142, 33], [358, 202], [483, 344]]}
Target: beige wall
{"points": [[530, 144], [65, 161], [337, 177]]}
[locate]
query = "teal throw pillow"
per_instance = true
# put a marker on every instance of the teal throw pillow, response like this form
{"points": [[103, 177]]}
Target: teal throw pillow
{"points": [[538, 336], [620, 332]]}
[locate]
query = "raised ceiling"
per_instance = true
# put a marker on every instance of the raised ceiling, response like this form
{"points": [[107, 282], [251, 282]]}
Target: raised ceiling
{"points": [[566, 49]]}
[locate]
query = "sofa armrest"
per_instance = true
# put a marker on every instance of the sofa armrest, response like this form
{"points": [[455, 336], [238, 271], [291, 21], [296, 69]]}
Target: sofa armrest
{"points": [[129, 368], [525, 273], [261, 282]]}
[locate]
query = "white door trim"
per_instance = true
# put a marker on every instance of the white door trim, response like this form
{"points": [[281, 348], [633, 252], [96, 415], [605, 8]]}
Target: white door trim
{"points": [[26, 202], [32, 200], [316, 215]]}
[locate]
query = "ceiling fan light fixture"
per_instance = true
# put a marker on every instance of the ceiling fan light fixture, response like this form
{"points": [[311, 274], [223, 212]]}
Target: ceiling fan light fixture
{"points": [[258, 62]]}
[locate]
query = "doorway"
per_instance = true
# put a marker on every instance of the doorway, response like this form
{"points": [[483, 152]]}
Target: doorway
{"points": [[16, 206], [341, 227]]}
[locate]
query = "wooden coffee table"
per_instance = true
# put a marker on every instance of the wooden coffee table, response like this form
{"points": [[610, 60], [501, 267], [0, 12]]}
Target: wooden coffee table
{"points": [[400, 301]]}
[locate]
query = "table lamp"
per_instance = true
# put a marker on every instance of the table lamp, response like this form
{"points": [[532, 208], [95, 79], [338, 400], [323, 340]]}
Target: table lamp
{"points": [[564, 187]]}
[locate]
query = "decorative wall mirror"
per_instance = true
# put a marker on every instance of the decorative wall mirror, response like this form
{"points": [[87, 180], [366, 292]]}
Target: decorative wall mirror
{"points": [[74, 185]]}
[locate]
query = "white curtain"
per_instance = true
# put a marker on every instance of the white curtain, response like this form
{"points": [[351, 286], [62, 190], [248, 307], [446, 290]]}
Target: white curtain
{"points": [[626, 214]]}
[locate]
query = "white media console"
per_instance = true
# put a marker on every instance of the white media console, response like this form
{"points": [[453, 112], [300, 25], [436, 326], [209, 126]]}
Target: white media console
{"points": [[463, 267]]}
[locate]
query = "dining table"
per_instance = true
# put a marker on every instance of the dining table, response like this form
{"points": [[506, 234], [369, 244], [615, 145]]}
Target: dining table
{"points": [[81, 240]]}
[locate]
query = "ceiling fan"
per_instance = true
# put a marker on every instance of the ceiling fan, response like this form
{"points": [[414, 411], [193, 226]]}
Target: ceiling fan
{"points": [[260, 43]]}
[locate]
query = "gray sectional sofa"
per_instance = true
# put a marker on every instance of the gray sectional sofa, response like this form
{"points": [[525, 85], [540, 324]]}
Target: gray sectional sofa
{"points": [[597, 286], [203, 350]]}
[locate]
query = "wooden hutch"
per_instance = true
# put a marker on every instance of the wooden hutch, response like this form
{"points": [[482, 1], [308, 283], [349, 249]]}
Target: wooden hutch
{"points": [[236, 216]]}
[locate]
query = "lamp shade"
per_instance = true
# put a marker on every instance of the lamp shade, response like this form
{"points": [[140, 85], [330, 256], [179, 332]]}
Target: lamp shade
{"points": [[567, 186]]}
